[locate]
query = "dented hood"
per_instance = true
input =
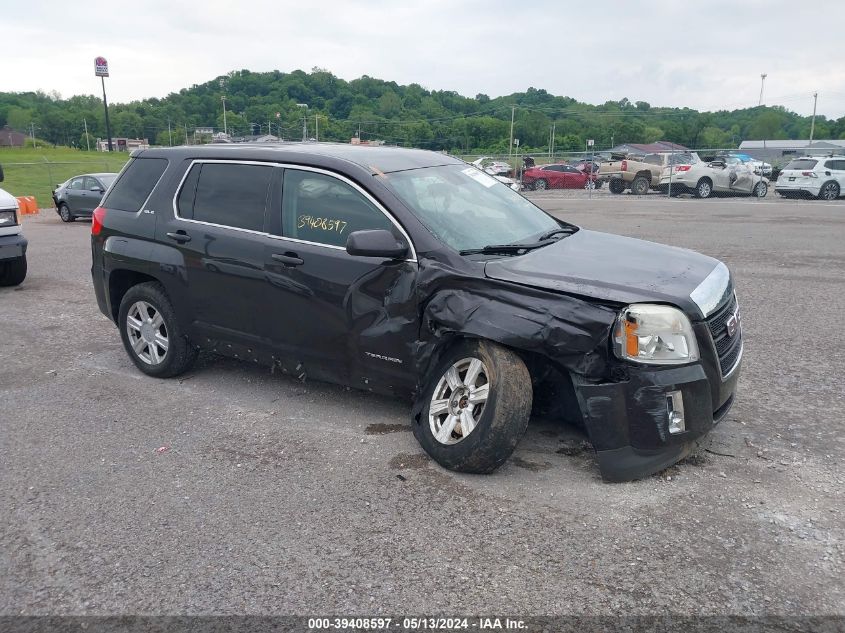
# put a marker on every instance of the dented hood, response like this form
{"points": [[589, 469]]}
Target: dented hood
{"points": [[610, 268]]}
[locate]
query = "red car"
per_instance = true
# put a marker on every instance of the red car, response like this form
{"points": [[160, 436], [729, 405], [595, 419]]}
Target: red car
{"points": [[557, 176]]}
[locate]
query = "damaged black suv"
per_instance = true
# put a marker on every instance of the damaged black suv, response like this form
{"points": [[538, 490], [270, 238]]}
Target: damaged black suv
{"points": [[412, 273]]}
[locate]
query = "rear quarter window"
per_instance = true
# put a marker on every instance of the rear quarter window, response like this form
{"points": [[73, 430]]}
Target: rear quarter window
{"points": [[835, 164], [135, 184]]}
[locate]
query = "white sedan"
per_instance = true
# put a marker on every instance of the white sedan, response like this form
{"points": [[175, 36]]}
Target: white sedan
{"points": [[724, 175]]}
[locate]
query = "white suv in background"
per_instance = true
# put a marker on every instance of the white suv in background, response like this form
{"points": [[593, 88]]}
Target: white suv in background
{"points": [[817, 176]]}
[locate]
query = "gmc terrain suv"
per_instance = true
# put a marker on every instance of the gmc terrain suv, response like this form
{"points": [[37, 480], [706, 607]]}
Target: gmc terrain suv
{"points": [[412, 273]]}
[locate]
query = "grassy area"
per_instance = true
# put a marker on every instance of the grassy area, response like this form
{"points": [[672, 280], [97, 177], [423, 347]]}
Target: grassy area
{"points": [[35, 172]]}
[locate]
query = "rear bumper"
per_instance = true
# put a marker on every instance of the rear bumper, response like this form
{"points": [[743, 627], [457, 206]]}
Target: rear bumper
{"points": [[12, 246], [628, 422], [790, 188]]}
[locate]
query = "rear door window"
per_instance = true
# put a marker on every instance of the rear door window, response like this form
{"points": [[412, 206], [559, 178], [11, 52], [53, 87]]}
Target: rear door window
{"points": [[77, 183], [227, 194], [323, 209], [135, 184], [837, 165]]}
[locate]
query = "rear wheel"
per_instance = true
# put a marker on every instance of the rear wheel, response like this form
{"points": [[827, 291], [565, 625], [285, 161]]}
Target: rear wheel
{"points": [[639, 186], [478, 401], [704, 188], [829, 191], [13, 271], [151, 333], [540, 185], [64, 213], [617, 185]]}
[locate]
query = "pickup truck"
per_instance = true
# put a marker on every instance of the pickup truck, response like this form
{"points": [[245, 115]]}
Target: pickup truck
{"points": [[640, 173]]}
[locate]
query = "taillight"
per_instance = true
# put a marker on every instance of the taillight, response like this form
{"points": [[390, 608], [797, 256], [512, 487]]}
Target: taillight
{"points": [[624, 166], [809, 174], [97, 220], [682, 168]]}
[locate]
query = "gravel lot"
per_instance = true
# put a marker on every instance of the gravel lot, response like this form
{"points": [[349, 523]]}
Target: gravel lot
{"points": [[236, 491]]}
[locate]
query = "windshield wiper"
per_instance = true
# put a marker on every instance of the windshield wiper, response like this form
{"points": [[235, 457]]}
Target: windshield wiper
{"points": [[507, 249], [569, 230]]}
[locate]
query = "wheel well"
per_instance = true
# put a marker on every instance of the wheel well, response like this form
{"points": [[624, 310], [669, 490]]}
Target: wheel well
{"points": [[703, 179], [644, 174], [120, 281]]}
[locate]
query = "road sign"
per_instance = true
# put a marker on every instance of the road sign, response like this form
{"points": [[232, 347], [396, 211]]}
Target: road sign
{"points": [[516, 142], [101, 67], [590, 142], [278, 115]]}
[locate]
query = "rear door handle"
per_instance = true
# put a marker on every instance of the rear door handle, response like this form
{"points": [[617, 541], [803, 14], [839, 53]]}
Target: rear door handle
{"points": [[288, 259], [179, 236]]}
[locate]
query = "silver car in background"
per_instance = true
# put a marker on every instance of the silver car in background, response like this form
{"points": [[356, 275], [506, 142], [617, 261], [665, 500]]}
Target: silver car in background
{"points": [[723, 175]]}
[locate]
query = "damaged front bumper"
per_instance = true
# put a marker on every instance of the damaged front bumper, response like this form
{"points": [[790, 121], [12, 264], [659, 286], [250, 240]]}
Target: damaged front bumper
{"points": [[633, 424]]}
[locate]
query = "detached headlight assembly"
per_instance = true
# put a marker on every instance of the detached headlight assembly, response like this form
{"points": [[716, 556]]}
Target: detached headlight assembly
{"points": [[8, 218], [654, 335]]}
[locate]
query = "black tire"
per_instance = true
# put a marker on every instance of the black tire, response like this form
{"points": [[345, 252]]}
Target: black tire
{"points": [[540, 185], [13, 271], [599, 184], [616, 185], [829, 191], [65, 214], [180, 354], [639, 186], [704, 188], [761, 189], [501, 421]]}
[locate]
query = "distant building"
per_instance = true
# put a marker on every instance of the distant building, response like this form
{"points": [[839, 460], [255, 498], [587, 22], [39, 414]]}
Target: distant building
{"points": [[257, 138], [122, 144], [648, 148], [357, 141], [10, 138], [778, 152]]}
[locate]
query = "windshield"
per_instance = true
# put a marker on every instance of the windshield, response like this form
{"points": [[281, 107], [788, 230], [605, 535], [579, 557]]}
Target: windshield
{"points": [[468, 209]]}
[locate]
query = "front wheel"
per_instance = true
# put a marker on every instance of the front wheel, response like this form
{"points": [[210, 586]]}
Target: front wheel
{"points": [[829, 191], [13, 271], [540, 185], [640, 186], [477, 405], [64, 213], [760, 190], [151, 333]]}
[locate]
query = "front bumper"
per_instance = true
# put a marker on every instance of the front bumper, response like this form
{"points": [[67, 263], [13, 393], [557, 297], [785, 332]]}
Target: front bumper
{"points": [[628, 421], [12, 246]]}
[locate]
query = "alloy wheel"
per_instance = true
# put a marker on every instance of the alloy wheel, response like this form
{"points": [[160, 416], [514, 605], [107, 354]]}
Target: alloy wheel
{"points": [[830, 191], [147, 333], [458, 401]]}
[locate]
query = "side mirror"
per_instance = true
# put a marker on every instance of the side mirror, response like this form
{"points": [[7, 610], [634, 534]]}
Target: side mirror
{"points": [[717, 163], [375, 243], [97, 189]]}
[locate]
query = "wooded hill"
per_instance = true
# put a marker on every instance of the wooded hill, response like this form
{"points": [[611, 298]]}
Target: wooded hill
{"points": [[405, 115]]}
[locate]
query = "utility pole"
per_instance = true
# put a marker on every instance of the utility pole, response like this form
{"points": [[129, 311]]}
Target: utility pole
{"points": [[169, 132], [87, 141], [762, 83], [304, 121], [813, 123], [32, 133], [554, 132], [317, 127], [510, 144], [225, 127], [186, 135]]}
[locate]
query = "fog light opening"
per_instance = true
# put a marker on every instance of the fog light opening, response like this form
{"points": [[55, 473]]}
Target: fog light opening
{"points": [[675, 409]]}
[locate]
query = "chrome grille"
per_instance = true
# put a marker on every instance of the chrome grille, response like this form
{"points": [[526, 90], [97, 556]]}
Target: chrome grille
{"points": [[728, 347]]}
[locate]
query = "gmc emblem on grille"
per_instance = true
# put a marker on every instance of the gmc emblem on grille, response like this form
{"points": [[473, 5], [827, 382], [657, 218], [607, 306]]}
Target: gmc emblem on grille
{"points": [[733, 324]]}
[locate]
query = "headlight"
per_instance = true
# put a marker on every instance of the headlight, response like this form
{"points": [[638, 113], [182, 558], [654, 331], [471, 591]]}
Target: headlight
{"points": [[8, 218], [654, 334]]}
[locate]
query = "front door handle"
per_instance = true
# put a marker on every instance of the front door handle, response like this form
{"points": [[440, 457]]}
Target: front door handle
{"points": [[179, 236], [288, 259]]}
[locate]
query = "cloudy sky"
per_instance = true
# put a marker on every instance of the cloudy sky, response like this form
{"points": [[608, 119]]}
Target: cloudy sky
{"points": [[705, 54]]}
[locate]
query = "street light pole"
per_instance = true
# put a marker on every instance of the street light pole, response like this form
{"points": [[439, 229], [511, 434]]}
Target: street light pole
{"points": [[813, 123], [762, 83], [510, 144]]}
